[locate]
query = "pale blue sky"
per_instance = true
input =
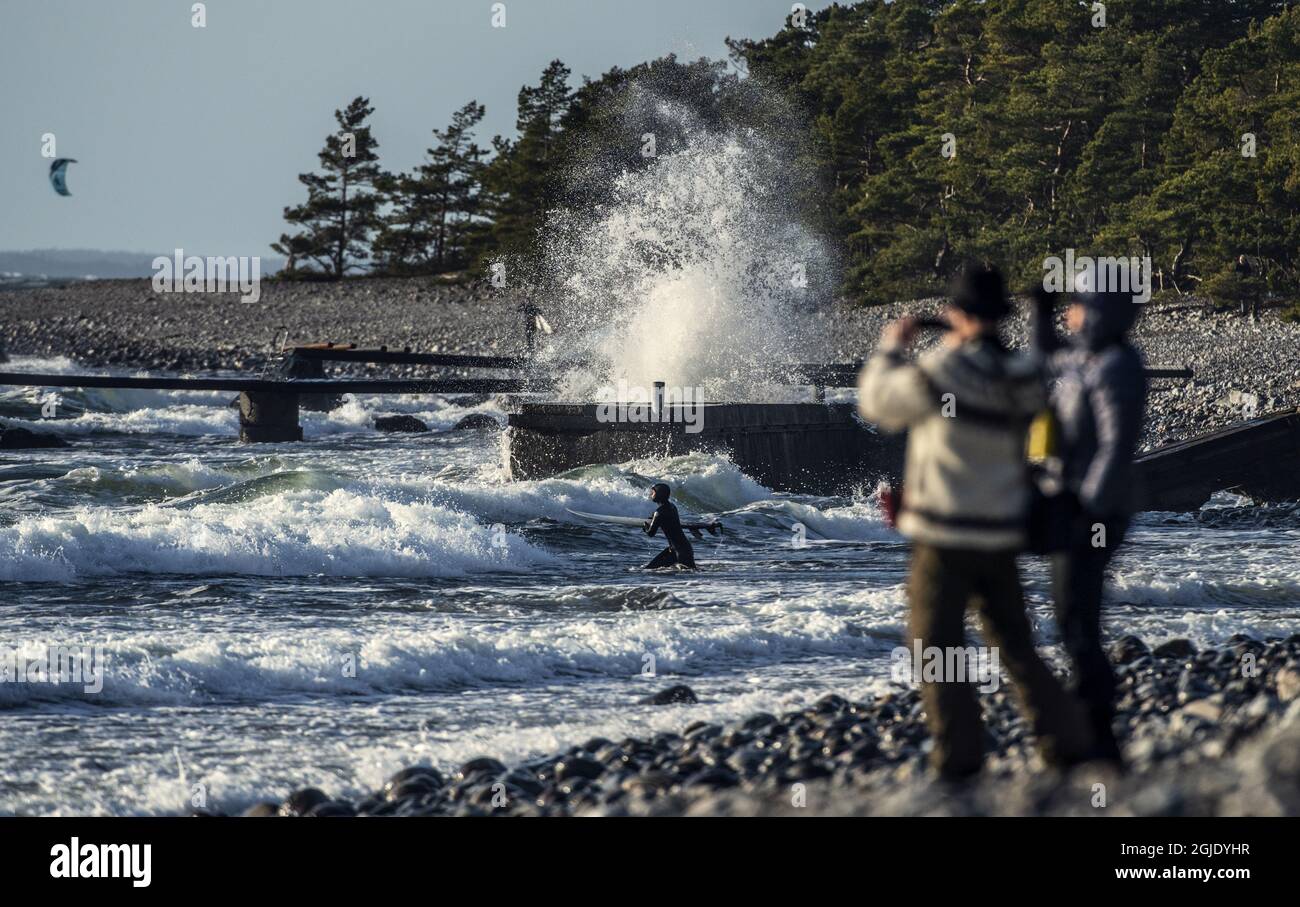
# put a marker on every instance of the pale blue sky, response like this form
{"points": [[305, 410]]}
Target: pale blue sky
{"points": [[193, 138]]}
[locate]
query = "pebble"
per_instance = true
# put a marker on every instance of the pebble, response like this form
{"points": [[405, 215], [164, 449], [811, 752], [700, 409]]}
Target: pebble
{"points": [[1288, 684], [1175, 712]]}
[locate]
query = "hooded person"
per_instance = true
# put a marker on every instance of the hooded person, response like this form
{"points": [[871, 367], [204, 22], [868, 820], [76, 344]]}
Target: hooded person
{"points": [[1098, 397], [666, 518], [966, 405]]}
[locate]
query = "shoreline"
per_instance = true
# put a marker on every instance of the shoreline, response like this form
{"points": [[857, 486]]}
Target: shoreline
{"points": [[1202, 736], [124, 324]]}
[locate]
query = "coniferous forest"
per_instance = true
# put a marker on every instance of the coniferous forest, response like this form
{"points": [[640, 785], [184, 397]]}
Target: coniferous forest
{"points": [[929, 133]]}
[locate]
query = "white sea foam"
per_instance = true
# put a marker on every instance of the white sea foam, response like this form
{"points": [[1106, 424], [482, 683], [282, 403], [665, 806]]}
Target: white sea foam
{"points": [[443, 654], [306, 532]]}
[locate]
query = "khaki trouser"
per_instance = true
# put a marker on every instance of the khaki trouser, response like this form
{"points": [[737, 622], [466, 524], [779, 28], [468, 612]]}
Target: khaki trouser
{"points": [[944, 582]]}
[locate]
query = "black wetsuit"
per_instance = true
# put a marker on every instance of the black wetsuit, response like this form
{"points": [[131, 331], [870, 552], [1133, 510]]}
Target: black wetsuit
{"points": [[679, 550]]}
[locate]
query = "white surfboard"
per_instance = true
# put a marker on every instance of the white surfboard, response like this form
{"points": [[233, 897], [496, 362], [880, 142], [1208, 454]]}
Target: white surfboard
{"points": [[610, 518], [714, 527]]}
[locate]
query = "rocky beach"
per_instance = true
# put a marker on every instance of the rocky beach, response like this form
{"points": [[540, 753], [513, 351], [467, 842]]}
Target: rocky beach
{"points": [[1214, 732], [124, 323]]}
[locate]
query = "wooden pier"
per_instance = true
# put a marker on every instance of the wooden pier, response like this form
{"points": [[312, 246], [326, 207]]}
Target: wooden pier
{"points": [[808, 447], [268, 409], [1259, 458]]}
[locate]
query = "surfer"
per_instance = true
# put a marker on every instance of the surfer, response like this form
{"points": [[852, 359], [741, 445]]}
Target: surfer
{"points": [[679, 550]]}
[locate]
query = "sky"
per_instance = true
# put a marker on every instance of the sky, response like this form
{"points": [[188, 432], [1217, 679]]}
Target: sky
{"points": [[193, 138]]}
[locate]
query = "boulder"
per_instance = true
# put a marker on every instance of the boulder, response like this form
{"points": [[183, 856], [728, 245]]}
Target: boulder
{"points": [[23, 439], [1128, 649], [674, 694], [477, 421], [1175, 648], [303, 801], [399, 424]]}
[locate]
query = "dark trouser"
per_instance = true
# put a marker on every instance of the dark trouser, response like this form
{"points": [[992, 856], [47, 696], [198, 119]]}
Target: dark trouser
{"points": [[1078, 574], [670, 557], [944, 582]]}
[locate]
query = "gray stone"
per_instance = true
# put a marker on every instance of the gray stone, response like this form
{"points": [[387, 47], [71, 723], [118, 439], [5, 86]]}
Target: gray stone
{"points": [[477, 421], [1175, 648], [401, 423], [674, 694]]}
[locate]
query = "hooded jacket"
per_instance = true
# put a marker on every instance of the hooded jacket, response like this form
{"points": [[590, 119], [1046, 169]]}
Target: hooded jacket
{"points": [[1099, 395], [966, 410]]}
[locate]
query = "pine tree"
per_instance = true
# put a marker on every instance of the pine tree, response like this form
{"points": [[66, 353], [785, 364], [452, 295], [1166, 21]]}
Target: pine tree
{"points": [[435, 211], [521, 179], [342, 207], [1065, 134]]}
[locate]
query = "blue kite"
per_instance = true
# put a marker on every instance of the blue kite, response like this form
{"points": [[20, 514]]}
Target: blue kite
{"points": [[59, 174]]}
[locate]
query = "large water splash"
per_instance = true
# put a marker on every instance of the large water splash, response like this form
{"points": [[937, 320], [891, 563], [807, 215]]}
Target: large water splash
{"points": [[696, 272]]}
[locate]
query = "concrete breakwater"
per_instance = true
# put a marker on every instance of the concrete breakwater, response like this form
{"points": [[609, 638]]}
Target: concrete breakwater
{"points": [[826, 449], [808, 447]]}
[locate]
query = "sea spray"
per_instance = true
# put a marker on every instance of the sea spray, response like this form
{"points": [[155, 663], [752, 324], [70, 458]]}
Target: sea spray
{"points": [[694, 270]]}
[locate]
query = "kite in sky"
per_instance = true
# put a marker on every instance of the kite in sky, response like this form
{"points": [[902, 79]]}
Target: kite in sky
{"points": [[59, 174]]}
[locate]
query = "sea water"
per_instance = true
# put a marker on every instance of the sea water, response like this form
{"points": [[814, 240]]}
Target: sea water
{"points": [[326, 612]]}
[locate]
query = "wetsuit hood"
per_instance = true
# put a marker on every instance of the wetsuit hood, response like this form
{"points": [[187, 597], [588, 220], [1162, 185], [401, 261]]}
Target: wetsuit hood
{"points": [[1107, 318], [661, 493]]}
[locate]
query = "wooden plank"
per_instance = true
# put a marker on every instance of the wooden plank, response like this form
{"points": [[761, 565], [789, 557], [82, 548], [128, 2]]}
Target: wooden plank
{"points": [[404, 357]]}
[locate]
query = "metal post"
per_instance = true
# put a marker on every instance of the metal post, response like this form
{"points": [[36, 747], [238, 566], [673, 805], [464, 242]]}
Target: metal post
{"points": [[530, 312]]}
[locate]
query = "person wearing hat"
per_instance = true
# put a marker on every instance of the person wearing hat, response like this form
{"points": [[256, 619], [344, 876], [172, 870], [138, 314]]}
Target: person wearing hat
{"points": [[1098, 397], [966, 405]]}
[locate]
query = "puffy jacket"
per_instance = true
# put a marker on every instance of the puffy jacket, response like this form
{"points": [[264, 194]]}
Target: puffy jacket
{"points": [[1099, 396], [965, 483]]}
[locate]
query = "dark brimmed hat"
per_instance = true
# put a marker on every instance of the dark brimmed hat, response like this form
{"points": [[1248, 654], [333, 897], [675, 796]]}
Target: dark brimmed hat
{"points": [[982, 293]]}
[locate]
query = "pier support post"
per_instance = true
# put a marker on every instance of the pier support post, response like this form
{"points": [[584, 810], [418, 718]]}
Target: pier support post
{"points": [[268, 417], [302, 367], [529, 311]]}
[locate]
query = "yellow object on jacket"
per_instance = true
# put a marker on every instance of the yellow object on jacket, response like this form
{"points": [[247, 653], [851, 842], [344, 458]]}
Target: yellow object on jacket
{"points": [[1044, 437]]}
